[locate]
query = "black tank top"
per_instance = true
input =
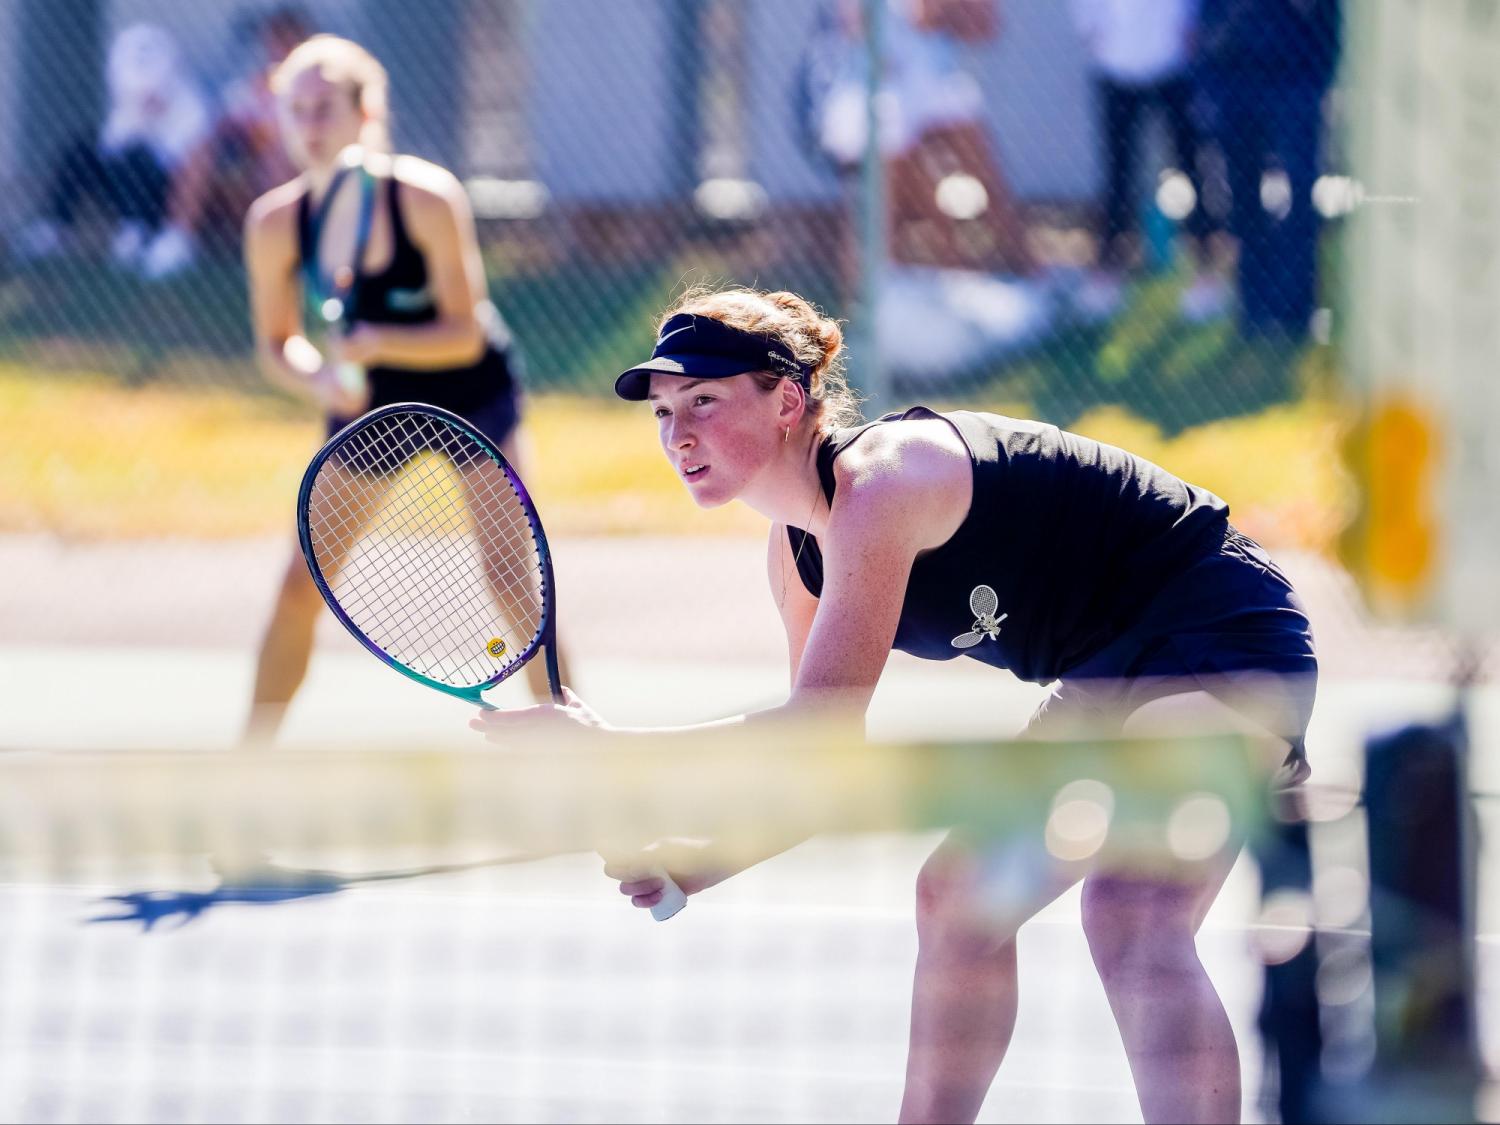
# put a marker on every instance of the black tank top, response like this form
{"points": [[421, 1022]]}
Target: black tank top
{"points": [[399, 294], [1070, 536]]}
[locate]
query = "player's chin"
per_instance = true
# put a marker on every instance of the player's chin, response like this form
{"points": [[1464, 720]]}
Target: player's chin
{"points": [[706, 496]]}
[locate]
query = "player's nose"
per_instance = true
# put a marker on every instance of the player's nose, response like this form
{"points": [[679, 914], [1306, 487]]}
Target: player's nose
{"points": [[680, 435]]}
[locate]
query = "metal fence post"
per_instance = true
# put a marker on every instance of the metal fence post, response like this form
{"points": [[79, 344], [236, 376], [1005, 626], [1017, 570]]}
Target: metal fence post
{"points": [[869, 373]]}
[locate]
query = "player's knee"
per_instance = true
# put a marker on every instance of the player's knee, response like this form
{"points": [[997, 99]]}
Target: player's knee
{"points": [[1131, 923], [949, 916]]}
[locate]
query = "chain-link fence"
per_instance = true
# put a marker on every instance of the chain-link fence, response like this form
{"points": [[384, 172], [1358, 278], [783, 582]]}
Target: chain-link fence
{"points": [[1139, 219], [1082, 203], [1125, 218]]}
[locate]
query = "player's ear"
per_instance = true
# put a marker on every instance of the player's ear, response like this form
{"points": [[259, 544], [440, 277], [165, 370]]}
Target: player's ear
{"points": [[792, 403]]}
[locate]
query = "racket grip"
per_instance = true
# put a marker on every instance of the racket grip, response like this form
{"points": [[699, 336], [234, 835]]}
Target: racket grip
{"points": [[672, 898]]}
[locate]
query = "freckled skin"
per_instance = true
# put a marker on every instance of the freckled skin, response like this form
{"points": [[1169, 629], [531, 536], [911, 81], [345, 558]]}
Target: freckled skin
{"points": [[727, 424]]}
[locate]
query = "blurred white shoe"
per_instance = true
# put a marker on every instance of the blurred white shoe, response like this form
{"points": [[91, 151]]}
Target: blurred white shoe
{"points": [[1100, 296], [1207, 298], [128, 242], [170, 252]]}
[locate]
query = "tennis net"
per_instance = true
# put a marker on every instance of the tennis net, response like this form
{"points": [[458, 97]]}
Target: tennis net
{"points": [[424, 935]]}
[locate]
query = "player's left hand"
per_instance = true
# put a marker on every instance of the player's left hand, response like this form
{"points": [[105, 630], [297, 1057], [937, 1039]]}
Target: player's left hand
{"points": [[343, 391], [689, 862], [501, 725]]}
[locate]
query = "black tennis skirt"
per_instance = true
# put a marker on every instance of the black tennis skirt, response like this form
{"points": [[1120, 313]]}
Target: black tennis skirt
{"points": [[1230, 625], [487, 395]]}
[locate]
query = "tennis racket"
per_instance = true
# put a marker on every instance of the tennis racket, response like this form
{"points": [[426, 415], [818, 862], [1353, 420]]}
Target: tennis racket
{"points": [[334, 296], [427, 548]]}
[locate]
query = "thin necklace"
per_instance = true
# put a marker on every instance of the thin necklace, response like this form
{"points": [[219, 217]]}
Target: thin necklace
{"points": [[806, 535]]}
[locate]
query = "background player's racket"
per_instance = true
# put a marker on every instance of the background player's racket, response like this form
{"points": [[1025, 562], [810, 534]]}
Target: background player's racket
{"points": [[427, 547], [334, 296]]}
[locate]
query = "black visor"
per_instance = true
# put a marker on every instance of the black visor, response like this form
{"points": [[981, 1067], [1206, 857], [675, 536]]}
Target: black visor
{"points": [[704, 348]]}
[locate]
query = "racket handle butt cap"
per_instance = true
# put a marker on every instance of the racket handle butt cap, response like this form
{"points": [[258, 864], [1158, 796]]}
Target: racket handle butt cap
{"points": [[672, 900]]}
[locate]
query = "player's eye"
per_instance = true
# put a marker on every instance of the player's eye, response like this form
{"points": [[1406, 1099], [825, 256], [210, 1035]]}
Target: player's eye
{"points": [[661, 412], [702, 400]]}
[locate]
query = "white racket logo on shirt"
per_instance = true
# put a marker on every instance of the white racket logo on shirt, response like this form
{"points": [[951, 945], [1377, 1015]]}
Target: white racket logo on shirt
{"points": [[982, 604]]}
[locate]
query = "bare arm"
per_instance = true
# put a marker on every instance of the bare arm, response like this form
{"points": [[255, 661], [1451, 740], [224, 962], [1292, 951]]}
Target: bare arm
{"points": [[898, 493], [893, 500], [282, 350], [441, 223], [837, 646], [798, 608]]}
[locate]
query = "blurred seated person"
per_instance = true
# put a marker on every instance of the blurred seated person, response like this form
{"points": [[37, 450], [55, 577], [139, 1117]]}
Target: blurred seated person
{"points": [[243, 157], [156, 118], [932, 133]]}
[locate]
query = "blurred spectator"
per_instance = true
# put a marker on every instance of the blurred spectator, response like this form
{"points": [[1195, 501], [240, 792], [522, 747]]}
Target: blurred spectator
{"points": [[244, 157], [1265, 66], [1140, 51], [156, 118], [941, 168]]}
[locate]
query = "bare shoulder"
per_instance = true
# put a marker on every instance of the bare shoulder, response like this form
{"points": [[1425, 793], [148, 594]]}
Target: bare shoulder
{"points": [[425, 184], [275, 212], [917, 470], [920, 455]]}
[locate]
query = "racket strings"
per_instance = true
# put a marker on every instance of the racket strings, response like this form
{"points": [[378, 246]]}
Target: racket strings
{"points": [[517, 540], [400, 540], [517, 530], [447, 569]]}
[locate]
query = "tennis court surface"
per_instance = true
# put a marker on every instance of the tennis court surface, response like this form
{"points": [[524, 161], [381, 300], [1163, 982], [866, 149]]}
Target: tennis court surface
{"points": [[532, 991]]}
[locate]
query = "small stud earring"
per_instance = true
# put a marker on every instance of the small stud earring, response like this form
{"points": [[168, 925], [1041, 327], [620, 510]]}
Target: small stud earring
{"points": [[786, 436]]}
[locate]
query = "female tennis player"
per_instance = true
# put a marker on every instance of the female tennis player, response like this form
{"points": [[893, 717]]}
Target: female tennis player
{"points": [[385, 247], [1028, 548]]}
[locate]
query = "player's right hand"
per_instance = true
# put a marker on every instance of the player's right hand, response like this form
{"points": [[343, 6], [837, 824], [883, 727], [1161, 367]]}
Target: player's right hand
{"points": [[500, 725]]}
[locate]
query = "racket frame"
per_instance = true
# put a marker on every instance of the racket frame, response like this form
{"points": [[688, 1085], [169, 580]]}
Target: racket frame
{"points": [[673, 898], [343, 295], [546, 635]]}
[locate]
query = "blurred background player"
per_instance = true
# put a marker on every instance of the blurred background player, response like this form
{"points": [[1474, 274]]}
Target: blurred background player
{"points": [[1030, 549], [1265, 68], [1141, 54], [423, 328]]}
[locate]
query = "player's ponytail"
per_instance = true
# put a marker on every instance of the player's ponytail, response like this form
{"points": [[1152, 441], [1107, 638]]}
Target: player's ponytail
{"points": [[816, 340]]}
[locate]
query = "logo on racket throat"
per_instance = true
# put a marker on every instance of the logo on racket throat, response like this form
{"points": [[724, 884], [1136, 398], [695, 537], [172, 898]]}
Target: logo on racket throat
{"points": [[982, 604], [496, 648]]}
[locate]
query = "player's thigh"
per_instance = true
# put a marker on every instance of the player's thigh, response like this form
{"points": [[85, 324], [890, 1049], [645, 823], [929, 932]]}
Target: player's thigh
{"points": [[1190, 889], [485, 483], [493, 503], [507, 543], [515, 450], [1193, 712], [343, 504]]}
